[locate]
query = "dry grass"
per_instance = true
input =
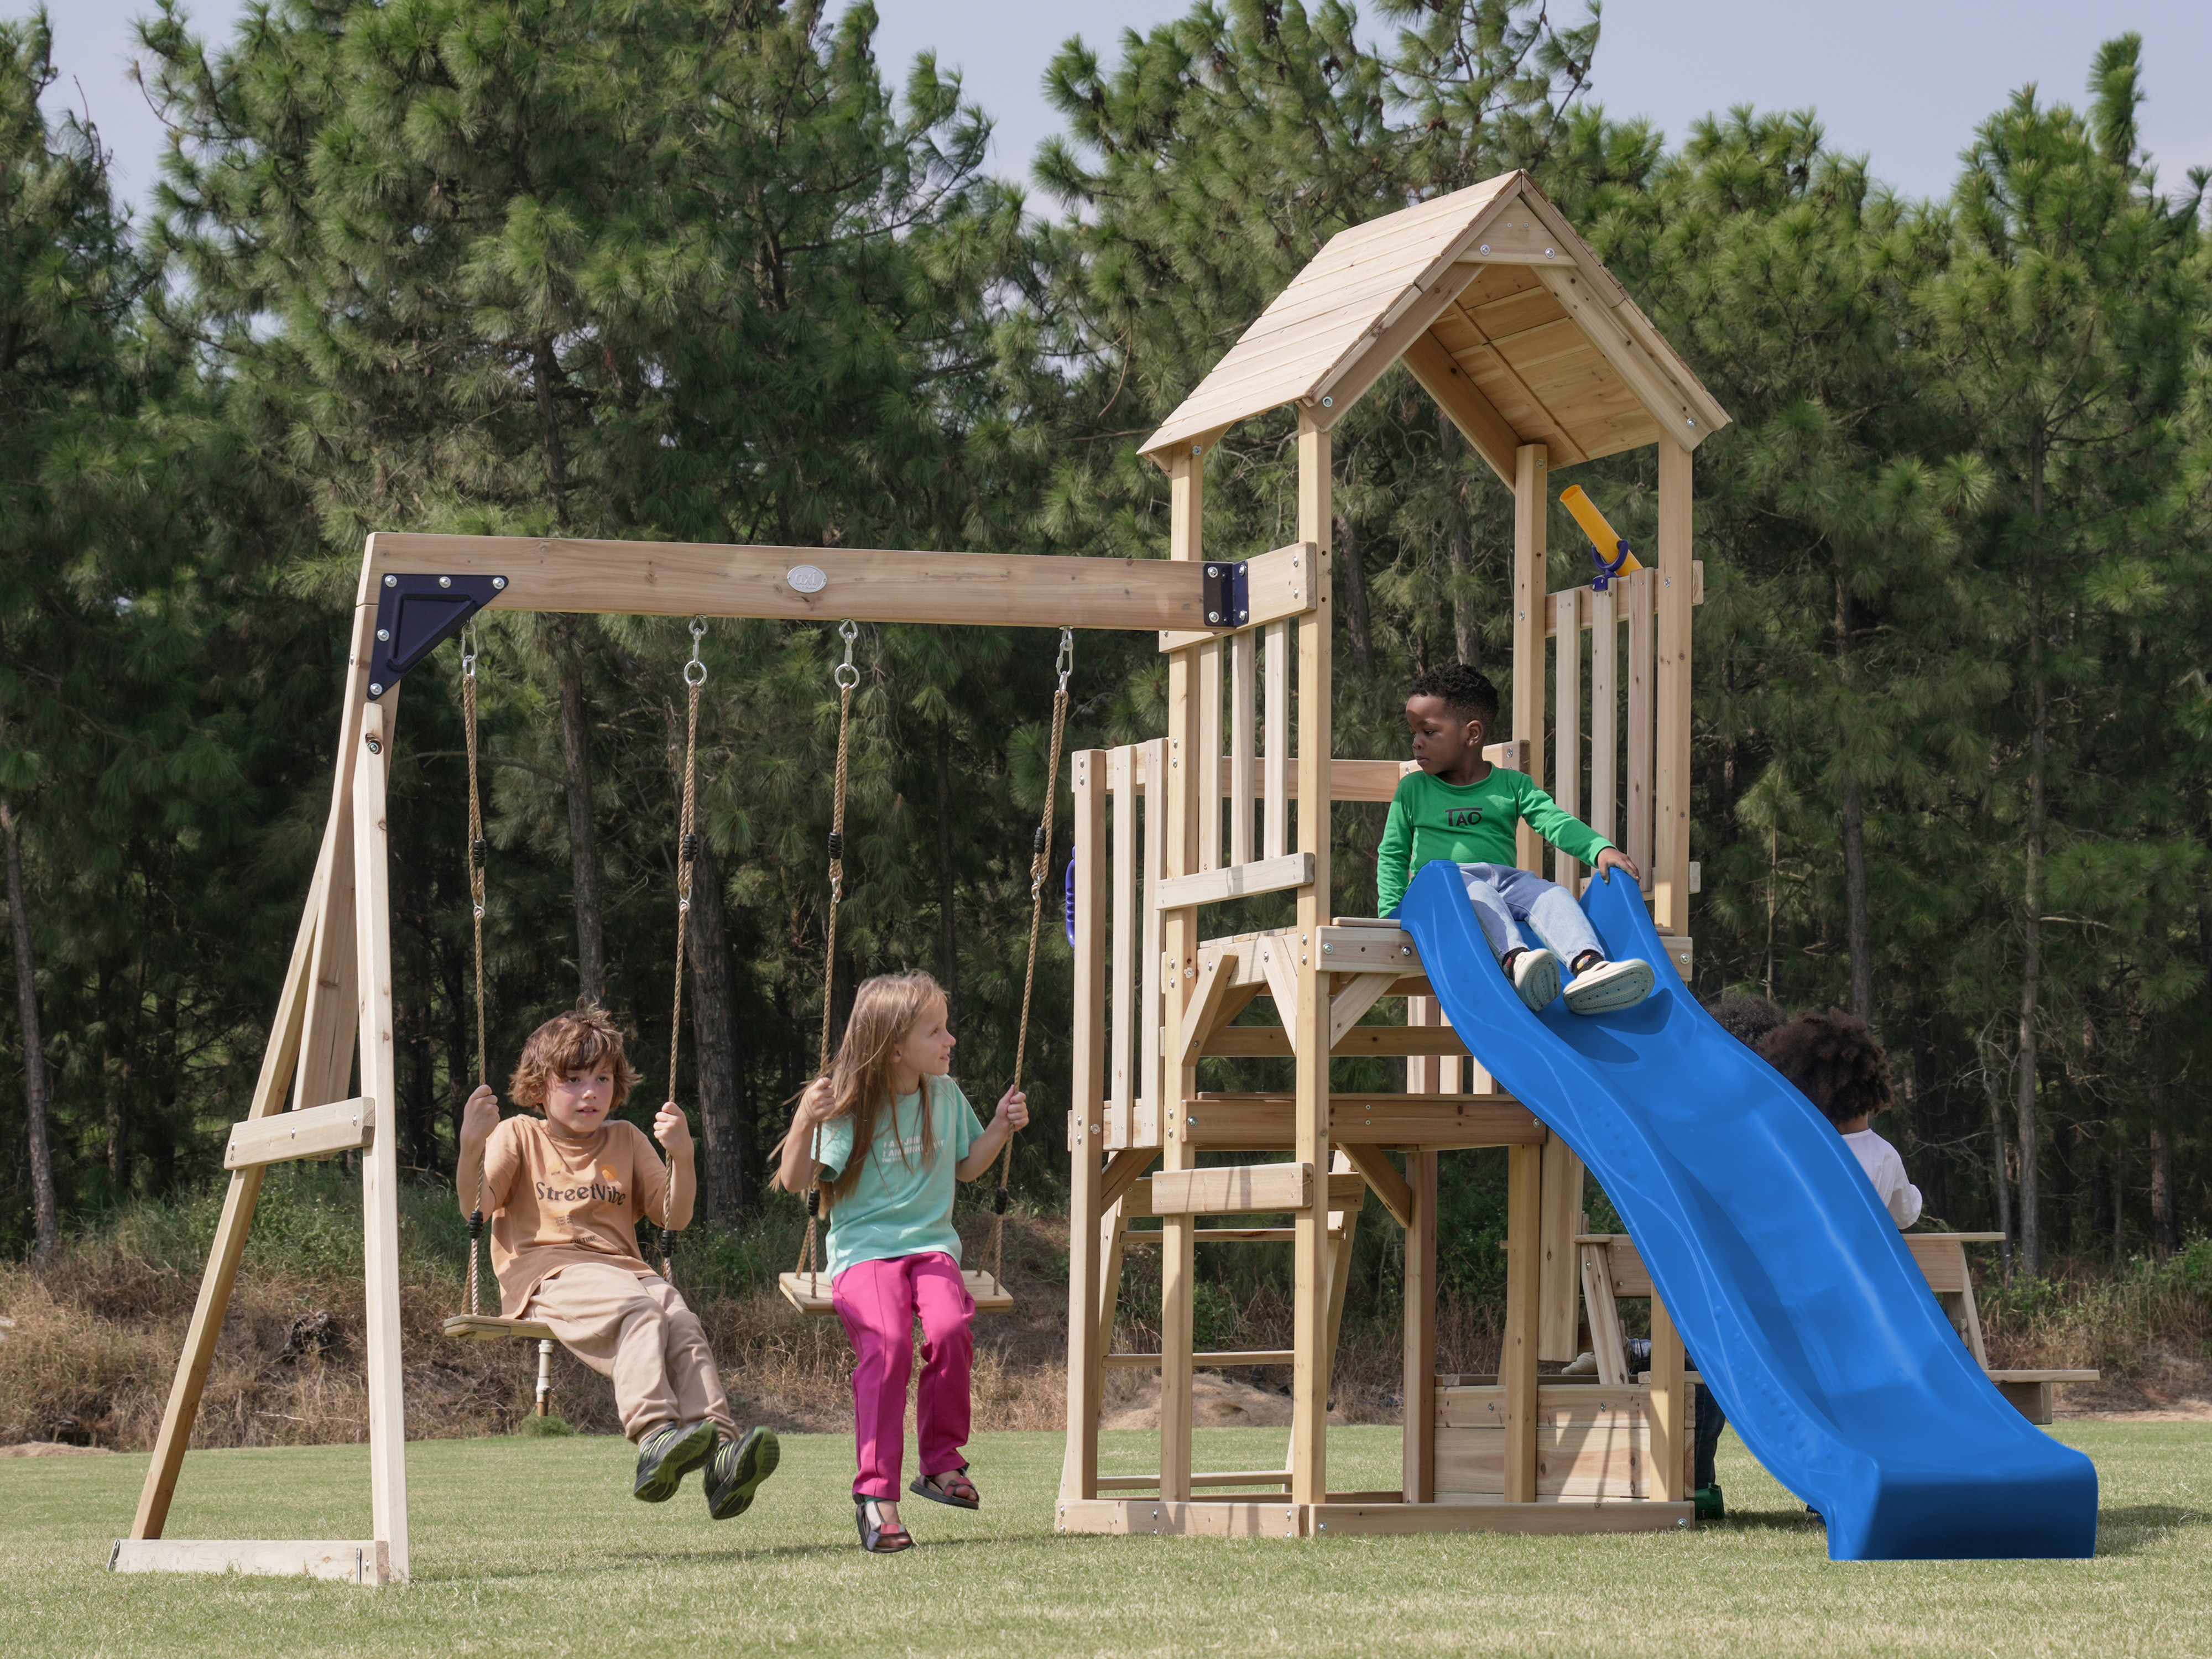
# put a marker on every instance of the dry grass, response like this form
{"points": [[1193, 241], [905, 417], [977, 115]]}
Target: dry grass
{"points": [[89, 1354]]}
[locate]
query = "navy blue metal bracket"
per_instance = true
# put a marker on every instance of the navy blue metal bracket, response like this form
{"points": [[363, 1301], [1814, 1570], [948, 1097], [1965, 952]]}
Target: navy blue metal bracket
{"points": [[415, 615], [1607, 569], [1227, 595]]}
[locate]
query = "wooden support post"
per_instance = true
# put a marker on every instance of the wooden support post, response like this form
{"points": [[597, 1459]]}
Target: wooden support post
{"points": [[325, 1073], [1275, 716], [1208, 688], [1240, 716], [1567, 724], [1343, 1229], [1530, 578], [1609, 1346], [1562, 1219], [278, 1060], [1605, 716], [1087, 1120], [1310, 1386], [1155, 1085], [1637, 604], [1516, 1359], [1670, 1397], [1186, 796], [1112, 1233], [1419, 1390], [1123, 931], [380, 1162], [1670, 853]]}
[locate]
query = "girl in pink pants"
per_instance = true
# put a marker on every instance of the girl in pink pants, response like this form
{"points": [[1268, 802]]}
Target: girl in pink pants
{"points": [[885, 1135]]}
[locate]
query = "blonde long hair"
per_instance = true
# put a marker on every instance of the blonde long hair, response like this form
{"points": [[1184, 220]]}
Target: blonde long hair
{"points": [[885, 1009]]}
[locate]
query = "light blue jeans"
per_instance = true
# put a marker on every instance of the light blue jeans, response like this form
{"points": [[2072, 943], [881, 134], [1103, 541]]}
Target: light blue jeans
{"points": [[1504, 897]]}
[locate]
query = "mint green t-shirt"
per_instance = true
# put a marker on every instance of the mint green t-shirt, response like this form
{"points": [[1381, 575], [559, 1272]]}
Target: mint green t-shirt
{"points": [[900, 1205], [1469, 824]]}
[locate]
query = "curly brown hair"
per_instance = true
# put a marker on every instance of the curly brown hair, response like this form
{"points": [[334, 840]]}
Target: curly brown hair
{"points": [[568, 1042], [1835, 1061], [1746, 1017]]}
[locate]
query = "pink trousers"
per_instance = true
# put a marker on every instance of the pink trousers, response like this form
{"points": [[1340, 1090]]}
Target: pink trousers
{"points": [[877, 1302]]}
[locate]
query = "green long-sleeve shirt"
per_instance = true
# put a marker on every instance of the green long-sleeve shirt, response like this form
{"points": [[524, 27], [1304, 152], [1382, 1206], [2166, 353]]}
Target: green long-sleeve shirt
{"points": [[1470, 823]]}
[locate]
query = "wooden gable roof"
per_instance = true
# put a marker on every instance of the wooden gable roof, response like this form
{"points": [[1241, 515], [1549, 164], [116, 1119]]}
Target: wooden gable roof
{"points": [[1496, 306]]}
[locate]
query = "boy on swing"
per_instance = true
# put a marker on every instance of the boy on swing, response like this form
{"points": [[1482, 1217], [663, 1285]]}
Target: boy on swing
{"points": [[565, 1192], [1461, 808]]}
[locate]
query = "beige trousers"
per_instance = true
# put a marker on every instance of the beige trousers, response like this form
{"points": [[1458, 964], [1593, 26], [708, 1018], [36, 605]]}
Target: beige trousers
{"points": [[641, 1333]]}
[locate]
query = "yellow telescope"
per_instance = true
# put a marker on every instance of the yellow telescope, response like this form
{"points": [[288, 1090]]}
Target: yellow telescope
{"points": [[1608, 548]]}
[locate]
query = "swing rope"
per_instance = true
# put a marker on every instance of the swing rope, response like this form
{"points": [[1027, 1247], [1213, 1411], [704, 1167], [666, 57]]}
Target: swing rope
{"points": [[687, 854], [478, 851], [1040, 866], [845, 677]]}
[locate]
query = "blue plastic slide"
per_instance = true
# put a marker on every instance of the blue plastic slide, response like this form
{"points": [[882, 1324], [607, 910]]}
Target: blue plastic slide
{"points": [[1803, 1311]]}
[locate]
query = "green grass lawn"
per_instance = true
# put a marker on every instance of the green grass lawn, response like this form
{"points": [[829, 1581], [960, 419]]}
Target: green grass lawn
{"points": [[535, 1547]]}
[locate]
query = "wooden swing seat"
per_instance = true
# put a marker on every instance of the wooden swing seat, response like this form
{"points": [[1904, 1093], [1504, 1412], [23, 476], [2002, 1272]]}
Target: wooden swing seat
{"points": [[810, 1292], [489, 1327]]}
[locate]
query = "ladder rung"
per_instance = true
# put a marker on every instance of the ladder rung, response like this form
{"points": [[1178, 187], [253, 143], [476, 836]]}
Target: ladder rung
{"points": [[1220, 1478]]}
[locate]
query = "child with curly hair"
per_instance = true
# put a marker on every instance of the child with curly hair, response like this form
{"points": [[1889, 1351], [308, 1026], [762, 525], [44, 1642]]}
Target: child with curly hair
{"points": [[565, 1188], [1837, 1064]]}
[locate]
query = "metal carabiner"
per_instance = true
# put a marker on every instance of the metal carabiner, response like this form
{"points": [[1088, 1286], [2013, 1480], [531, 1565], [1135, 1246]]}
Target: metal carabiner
{"points": [[698, 633], [1066, 664], [469, 643], [845, 674]]}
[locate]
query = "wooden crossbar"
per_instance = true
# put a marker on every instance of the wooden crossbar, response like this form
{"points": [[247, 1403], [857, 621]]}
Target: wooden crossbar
{"points": [[1235, 881], [1210, 1478], [1235, 1191], [342, 1125], [807, 584], [1224, 1360]]}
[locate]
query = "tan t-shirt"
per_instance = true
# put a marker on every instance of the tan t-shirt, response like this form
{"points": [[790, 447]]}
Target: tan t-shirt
{"points": [[557, 1199]]}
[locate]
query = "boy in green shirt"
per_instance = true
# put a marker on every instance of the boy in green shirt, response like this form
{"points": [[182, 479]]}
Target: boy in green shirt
{"points": [[1461, 808]]}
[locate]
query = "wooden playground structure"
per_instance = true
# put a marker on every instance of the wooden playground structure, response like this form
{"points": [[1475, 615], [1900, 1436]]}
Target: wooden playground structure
{"points": [[1537, 355], [1539, 358]]}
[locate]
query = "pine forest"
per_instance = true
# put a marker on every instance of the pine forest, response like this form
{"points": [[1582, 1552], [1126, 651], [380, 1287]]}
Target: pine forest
{"points": [[713, 271]]}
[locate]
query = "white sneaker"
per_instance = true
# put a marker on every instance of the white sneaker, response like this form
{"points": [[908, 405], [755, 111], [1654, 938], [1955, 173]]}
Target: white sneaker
{"points": [[1536, 977], [1605, 986]]}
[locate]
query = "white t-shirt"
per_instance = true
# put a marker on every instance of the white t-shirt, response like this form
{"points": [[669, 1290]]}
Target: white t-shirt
{"points": [[1887, 1170]]}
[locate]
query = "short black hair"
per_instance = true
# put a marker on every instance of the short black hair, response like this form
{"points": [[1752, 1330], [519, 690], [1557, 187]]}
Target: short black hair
{"points": [[1835, 1061], [1465, 690], [1746, 1017]]}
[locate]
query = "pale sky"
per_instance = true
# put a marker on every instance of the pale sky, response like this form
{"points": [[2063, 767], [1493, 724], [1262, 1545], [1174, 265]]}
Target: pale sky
{"points": [[1904, 82]]}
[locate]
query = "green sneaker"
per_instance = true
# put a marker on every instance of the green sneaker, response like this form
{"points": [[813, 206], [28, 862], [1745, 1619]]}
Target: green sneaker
{"points": [[1708, 1505], [666, 1454], [736, 1470]]}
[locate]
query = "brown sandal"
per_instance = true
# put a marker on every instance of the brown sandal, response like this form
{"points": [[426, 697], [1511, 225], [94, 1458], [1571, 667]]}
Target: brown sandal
{"points": [[877, 1537], [950, 1487]]}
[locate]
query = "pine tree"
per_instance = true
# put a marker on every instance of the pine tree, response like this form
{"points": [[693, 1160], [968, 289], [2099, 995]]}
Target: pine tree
{"points": [[2062, 330]]}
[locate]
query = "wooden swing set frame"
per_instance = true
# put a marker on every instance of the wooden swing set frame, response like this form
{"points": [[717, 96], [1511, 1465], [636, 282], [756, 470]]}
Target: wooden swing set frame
{"points": [[1510, 323]]}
